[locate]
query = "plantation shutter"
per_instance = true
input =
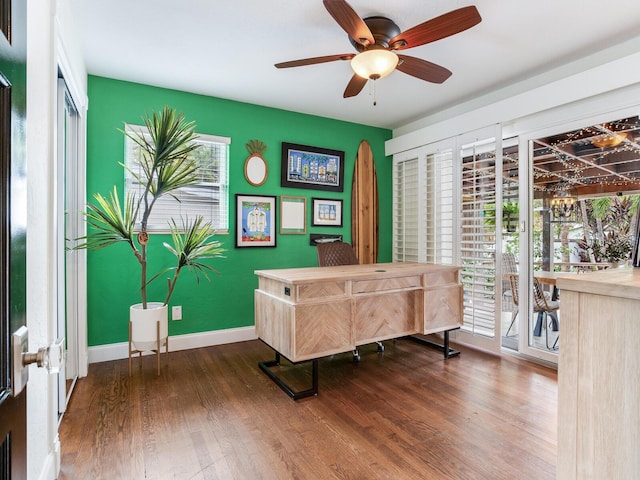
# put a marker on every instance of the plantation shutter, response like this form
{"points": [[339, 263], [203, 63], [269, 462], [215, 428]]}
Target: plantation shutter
{"points": [[439, 208], [478, 237], [406, 211]]}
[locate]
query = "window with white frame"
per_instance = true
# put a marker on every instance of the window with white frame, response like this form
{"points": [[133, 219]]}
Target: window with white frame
{"points": [[208, 198]]}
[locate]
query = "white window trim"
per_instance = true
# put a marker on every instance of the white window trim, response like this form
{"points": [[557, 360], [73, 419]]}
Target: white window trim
{"points": [[224, 180]]}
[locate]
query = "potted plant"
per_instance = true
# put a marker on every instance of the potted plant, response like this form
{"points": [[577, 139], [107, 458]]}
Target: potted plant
{"points": [[510, 216], [166, 166], [616, 248]]}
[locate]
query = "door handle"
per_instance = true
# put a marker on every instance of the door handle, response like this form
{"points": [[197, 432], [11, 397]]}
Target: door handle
{"points": [[50, 357]]}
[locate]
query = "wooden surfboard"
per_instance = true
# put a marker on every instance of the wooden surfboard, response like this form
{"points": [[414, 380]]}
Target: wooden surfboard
{"points": [[364, 206]]}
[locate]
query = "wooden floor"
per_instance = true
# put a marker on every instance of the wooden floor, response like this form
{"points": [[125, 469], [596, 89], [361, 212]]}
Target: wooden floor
{"points": [[402, 414]]}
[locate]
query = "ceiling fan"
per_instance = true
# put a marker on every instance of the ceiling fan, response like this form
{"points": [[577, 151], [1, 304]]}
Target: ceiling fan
{"points": [[376, 40]]}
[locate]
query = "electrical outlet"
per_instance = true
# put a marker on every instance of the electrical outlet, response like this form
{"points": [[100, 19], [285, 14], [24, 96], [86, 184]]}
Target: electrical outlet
{"points": [[176, 313]]}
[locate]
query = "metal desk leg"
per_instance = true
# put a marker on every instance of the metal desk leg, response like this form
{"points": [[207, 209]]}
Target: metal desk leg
{"points": [[448, 352], [296, 395]]}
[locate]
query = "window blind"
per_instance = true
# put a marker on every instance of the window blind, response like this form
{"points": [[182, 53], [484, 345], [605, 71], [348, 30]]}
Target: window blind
{"points": [[208, 198], [439, 208], [406, 218], [477, 241]]}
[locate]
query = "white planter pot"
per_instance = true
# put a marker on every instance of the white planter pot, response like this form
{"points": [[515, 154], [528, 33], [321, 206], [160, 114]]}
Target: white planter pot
{"points": [[144, 325]]}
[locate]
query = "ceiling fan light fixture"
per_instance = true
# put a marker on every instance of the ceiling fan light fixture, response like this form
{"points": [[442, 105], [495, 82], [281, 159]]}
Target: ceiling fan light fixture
{"points": [[375, 63]]}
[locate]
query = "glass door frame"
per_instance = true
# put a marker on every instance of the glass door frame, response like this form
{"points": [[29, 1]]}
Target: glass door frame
{"points": [[494, 132], [69, 202], [558, 121]]}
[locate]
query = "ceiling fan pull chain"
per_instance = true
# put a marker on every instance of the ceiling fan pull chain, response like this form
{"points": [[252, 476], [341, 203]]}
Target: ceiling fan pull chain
{"points": [[375, 102]]}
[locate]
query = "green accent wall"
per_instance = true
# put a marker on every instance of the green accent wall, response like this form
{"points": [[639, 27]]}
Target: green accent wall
{"points": [[227, 300]]}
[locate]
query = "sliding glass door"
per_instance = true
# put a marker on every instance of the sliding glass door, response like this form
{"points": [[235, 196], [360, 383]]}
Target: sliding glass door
{"points": [[583, 196]]}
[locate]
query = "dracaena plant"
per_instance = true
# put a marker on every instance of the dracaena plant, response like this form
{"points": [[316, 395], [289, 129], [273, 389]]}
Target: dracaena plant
{"points": [[165, 166]]}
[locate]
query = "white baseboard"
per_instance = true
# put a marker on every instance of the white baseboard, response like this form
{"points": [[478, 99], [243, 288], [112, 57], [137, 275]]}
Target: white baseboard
{"points": [[51, 467], [118, 351]]}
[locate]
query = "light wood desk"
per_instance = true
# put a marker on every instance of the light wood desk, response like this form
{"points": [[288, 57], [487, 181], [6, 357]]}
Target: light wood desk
{"points": [[308, 313]]}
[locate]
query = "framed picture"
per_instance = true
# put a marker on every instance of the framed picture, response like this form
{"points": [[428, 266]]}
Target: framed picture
{"points": [[327, 212], [293, 215], [312, 167], [255, 221], [317, 238]]}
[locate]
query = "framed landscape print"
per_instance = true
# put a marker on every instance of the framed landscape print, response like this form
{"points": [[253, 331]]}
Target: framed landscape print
{"points": [[312, 167], [255, 221]]}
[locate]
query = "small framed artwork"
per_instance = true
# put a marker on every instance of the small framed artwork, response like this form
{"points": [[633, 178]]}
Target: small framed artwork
{"points": [[327, 212], [312, 167], [255, 221], [293, 215]]}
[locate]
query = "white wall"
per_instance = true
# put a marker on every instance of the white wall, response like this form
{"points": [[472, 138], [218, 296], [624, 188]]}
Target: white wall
{"points": [[602, 72], [48, 26]]}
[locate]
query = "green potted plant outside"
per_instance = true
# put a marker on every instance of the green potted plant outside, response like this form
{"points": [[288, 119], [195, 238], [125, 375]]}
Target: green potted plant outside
{"points": [[510, 216], [616, 249], [166, 166]]}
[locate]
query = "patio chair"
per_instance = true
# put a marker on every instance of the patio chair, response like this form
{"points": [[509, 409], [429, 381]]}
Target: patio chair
{"points": [[544, 307], [509, 265]]}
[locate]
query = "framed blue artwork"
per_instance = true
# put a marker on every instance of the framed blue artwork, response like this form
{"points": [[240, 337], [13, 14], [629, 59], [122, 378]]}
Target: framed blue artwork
{"points": [[312, 167], [255, 221]]}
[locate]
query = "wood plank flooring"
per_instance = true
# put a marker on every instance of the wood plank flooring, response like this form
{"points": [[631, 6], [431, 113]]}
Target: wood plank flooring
{"points": [[402, 414]]}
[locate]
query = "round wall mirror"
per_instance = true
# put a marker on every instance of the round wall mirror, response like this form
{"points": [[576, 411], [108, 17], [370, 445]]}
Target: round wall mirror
{"points": [[255, 170]]}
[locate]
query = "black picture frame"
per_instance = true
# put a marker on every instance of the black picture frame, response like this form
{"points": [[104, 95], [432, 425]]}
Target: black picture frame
{"points": [[315, 168], [326, 212], [255, 221]]}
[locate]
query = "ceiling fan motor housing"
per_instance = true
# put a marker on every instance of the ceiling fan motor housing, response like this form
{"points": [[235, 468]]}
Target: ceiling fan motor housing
{"points": [[382, 29]]}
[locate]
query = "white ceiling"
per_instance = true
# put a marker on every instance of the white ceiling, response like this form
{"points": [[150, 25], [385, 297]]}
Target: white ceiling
{"points": [[227, 49]]}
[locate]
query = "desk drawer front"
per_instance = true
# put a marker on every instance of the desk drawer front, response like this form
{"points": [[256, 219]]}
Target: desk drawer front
{"points": [[324, 290], [442, 309], [391, 315], [322, 329], [383, 284], [442, 277]]}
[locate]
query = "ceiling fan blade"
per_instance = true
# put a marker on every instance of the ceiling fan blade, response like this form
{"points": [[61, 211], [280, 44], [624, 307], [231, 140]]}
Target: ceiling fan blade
{"points": [[314, 60], [422, 69], [437, 28], [350, 21], [355, 86]]}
